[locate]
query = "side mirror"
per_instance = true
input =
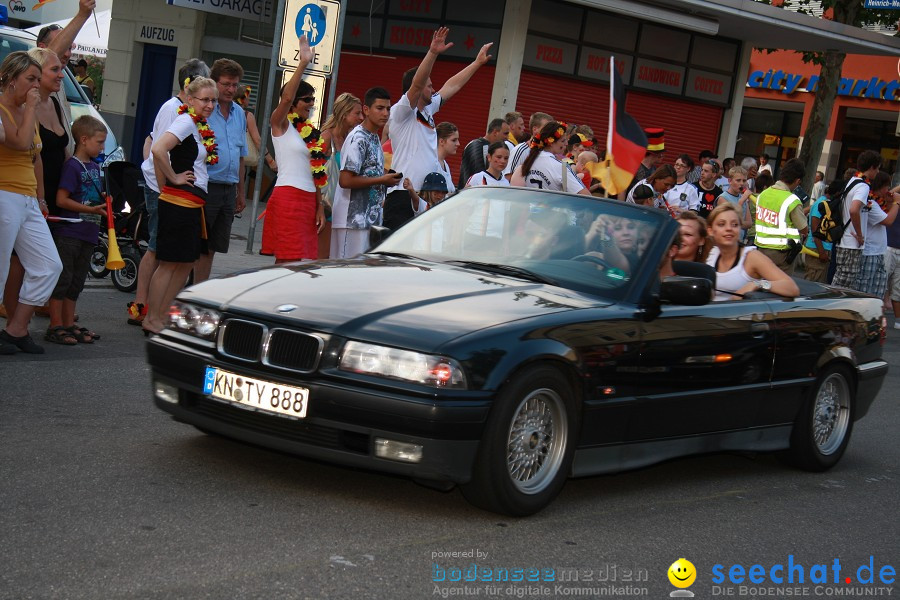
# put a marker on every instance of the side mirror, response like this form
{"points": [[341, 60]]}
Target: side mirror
{"points": [[377, 234], [685, 291]]}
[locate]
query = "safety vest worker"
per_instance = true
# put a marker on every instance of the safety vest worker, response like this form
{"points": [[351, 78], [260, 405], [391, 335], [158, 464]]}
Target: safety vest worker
{"points": [[780, 222]]}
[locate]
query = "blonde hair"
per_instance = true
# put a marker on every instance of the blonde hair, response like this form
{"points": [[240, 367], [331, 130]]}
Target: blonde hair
{"points": [[737, 171], [42, 55], [343, 104], [703, 249], [199, 83], [722, 208], [14, 65], [586, 157]]}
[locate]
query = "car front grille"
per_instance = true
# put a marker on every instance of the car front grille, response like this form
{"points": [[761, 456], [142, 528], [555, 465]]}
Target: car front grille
{"points": [[249, 341]]}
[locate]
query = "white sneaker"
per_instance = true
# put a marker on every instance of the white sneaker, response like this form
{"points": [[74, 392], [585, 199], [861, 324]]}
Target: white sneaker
{"points": [[897, 324]]}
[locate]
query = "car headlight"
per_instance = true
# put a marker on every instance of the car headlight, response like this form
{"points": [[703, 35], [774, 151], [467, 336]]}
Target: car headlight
{"points": [[194, 320], [116, 155], [436, 371]]}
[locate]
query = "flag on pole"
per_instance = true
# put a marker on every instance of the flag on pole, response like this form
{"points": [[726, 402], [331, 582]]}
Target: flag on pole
{"points": [[626, 143]]}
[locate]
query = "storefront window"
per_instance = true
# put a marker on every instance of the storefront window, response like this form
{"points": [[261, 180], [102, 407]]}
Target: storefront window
{"points": [[867, 134], [772, 132]]}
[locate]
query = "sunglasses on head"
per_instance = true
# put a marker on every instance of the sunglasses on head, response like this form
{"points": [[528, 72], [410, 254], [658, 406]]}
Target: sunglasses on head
{"points": [[44, 33]]}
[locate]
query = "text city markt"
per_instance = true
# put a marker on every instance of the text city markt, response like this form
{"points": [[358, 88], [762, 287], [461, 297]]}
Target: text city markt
{"points": [[788, 83]]}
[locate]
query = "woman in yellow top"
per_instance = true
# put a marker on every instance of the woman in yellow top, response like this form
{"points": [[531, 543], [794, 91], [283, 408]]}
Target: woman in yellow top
{"points": [[22, 206]]}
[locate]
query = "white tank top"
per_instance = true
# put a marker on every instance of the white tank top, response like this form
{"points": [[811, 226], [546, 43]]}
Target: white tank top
{"points": [[292, 156], [732, 280]]}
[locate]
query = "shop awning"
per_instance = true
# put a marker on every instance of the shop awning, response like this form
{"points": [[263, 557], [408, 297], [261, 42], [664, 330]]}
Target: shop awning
{"points": [[759, 24]]}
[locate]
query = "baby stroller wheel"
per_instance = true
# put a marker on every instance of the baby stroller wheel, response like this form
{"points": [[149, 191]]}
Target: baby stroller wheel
{"points": [[125, 279], [98, 268]]}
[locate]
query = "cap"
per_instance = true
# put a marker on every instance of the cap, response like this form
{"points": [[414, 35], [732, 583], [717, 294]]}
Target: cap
{"points": [[580, 138], [656, 139], [434, 182]]}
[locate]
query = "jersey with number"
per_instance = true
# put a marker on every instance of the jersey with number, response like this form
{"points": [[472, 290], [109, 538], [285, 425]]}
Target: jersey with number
{"points": [[547, 173]]}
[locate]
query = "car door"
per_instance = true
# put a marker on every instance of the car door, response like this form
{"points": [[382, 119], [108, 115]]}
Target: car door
{"points": [[703, 369]]}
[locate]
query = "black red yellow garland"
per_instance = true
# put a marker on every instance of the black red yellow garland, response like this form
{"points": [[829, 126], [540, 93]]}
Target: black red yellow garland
{"points": [[537, 142], [313, 139], [206, 134]]}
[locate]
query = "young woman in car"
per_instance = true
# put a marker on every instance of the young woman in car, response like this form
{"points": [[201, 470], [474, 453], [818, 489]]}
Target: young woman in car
{"points": [[695, 244], [739, 269]]}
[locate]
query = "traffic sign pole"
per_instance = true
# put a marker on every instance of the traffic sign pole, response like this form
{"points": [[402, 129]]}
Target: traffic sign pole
{"points": [[338, 41], [264, 134]]}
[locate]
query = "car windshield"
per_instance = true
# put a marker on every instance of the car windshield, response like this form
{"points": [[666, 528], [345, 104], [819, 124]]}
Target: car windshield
{"points": [[578, 242]]}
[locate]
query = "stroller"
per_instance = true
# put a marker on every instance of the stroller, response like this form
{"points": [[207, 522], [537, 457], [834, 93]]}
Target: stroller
{"points": [[122, 182]]}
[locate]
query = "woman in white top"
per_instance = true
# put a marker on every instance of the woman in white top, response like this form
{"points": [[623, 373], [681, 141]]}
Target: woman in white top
{"points": [[295, 214], [740, 270], [448, 144], [498, 157], [542, 169]]}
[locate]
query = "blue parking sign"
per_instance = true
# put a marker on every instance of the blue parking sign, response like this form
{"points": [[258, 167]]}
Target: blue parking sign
{"points": [[312, 23]]}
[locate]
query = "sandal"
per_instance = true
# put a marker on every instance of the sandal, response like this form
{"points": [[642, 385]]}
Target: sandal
{"points": [[83, 335], [60, 335]]}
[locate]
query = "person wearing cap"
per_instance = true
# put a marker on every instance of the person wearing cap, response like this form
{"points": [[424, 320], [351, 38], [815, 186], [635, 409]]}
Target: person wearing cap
{"points": [[656, 147], [434, 190], [474, 158], [578, 142]]}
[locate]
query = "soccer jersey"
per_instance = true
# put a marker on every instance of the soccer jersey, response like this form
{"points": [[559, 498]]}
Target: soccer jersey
{"points": [[683, 196], [547, 173], [414, 140], [485, 178]]}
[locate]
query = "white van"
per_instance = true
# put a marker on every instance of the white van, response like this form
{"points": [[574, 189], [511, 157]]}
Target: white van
{"points": [[12, 40]]}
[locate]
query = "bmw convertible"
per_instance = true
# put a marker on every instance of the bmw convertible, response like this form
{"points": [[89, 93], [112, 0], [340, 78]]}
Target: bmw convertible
{"points": [[508, 339]]}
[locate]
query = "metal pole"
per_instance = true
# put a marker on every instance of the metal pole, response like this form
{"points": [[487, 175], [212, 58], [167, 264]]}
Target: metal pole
{"points": [[332, 88], [264, 134]]}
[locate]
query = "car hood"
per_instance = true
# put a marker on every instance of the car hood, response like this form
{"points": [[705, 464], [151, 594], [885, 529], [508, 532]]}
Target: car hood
{"points": [[407, 303]]}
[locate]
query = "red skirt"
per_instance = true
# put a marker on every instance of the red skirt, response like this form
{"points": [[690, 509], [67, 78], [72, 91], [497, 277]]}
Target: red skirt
{"points": [[289, 228]]}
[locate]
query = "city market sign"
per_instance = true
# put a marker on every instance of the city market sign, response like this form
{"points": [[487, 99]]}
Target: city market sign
{"points": [[790, 83]]}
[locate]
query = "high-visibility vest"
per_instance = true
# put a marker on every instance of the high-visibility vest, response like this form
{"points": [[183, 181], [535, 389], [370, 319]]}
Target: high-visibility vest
{"points": [[773, 219]]}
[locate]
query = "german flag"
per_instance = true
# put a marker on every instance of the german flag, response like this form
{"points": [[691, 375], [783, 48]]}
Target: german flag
{"points": [[626, 143]]}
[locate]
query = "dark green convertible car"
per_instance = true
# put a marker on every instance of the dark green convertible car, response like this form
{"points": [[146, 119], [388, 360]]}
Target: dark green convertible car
{"points": [[508, 339]]}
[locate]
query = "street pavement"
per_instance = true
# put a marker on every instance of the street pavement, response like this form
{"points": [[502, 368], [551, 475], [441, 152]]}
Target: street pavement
{"points": [[103, 496]]}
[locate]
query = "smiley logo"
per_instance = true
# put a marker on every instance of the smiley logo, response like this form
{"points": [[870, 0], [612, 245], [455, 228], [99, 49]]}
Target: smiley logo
{"points": [[682, 573]]}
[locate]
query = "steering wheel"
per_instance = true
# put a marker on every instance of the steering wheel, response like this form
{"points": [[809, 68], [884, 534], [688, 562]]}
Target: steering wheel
{"points": [[594, 259]]}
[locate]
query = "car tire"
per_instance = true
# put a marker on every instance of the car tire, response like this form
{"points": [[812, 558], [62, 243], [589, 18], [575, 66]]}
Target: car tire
{"points": [[125, 279], [97, 266], [529, 441], [823, 426]]}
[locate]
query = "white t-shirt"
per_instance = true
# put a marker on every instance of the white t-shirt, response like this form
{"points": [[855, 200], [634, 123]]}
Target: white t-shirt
{"points": [[511, 147], [722, 182], [167, 113], [183, 127], [414, 140], [547, 174], [445, 171], [518, 155], [859, 193], [876, 233], [485, 178], [765, 168], [683, 196]]}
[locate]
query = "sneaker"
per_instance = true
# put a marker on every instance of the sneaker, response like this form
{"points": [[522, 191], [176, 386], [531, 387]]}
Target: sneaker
{"points": [[896, 324], [136, 313], [24, 343], [7, 348]]}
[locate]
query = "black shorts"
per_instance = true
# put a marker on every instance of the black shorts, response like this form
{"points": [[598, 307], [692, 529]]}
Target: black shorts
{"points": [[75, 256]]}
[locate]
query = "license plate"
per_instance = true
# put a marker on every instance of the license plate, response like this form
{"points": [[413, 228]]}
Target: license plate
{"points": [[262, 395]]}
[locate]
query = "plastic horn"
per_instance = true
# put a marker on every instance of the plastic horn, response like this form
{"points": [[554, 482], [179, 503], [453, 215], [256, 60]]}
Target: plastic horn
{"points": [[807, 250], [114, 260]]}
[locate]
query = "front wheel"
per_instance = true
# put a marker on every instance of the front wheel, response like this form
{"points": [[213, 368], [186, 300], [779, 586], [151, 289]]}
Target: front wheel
{"points": [[97, 265], [528, 445], [125, 279], [822, 428]]}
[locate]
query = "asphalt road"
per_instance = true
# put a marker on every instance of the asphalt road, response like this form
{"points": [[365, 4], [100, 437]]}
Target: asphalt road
{"points": [[103, 496]]}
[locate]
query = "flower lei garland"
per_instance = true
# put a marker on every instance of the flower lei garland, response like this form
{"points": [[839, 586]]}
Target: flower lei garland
{"points": [[313, 139], [206, 134], [538, 142]]}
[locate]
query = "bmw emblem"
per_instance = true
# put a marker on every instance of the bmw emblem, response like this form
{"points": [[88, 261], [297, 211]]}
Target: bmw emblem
{"points": [[286, 308]]}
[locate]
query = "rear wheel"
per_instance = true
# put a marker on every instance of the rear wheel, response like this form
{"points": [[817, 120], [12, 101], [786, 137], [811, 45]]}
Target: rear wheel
{"points": [[125, 279], [822, 429], [529, 441], [98, 268]]}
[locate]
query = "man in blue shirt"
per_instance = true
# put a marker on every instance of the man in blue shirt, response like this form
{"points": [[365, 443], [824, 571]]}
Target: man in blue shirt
{"points": [[226, 178]]}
